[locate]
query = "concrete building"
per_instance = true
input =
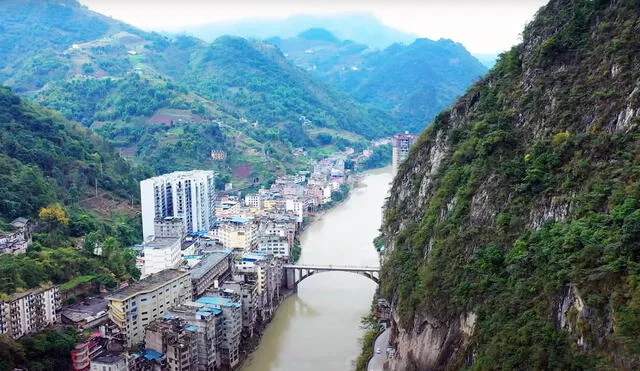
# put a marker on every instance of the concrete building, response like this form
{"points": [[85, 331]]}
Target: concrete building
{"points": [[17, 240], [80, 360], [237, 233], [176, 340], [228, 328], [400, 147], [133, 307], [109, 363], [268, 277], [276, 245], [215, 266], [86, 314], [203, 319], [29, 311], [253, 200], [161, 253], [189, 195], [242, 288], [169, 227]]}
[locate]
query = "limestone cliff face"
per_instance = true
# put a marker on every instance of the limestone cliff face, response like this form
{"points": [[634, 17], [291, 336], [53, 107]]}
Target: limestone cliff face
{"points": [[513, 228]]}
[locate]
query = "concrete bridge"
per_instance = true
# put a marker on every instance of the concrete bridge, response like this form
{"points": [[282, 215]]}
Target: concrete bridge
{"points": [[294, 274]]}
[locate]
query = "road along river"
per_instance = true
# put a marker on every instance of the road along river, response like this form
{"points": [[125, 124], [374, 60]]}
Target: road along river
{"points": [[318, 328]]}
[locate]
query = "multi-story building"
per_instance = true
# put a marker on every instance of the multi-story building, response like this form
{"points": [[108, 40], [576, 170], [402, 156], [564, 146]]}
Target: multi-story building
{"points": [[133, 307], [245, 290], [237, 233], [268, 277], [276, 245], [16, 241], [169, 227], [203, 320], [29, 311], [80, 360], [176, 340], [189, 195], [109, 362], [161, 253], [400, 147], [228, 327], [253, 200], [215, 266]]}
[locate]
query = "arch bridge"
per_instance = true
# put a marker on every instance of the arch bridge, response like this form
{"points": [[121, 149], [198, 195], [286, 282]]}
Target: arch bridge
{"points": [[294, 274]]}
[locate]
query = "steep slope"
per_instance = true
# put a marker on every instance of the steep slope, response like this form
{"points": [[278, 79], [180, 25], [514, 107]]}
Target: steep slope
{"points": [[412, 82], [46, 159], [361, 27], [176, 99], [255, 81], [29, 27], [512, 229]]}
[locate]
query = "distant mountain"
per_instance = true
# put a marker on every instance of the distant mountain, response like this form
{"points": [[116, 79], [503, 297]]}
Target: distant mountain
{"points": [[487, 59], [361, 27], [169, 102], [412, 82]]}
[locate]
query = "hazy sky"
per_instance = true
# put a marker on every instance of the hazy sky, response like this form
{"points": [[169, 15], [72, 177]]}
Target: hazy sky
{"points": [[483, 26]]}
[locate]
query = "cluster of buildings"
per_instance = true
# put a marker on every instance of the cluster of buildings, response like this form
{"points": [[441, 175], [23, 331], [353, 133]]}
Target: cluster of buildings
{"points": [[17, 240], [212, 273]]}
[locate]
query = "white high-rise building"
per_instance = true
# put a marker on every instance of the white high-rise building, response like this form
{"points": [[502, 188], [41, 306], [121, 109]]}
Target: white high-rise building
{"points": [[189, 195]]}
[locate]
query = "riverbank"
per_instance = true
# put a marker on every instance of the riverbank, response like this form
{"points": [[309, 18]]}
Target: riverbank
{"points": [[319, 327]]}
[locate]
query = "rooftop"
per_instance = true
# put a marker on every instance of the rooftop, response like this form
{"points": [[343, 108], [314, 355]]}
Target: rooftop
{"points": [[149, 283], [239, 219], [159, 243], [83, 310], [182, 175], [218, 301], [207, 263], [108, 359]]}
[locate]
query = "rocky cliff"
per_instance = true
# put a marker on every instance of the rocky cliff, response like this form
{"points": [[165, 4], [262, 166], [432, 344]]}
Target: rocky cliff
{"points": [[513, 229]]}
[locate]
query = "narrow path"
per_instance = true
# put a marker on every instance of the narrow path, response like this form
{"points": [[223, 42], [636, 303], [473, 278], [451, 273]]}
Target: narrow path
{"points": [[376, 362]]}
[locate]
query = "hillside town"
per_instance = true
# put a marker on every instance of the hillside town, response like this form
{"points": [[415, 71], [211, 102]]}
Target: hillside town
{"points": [[211, 273]]}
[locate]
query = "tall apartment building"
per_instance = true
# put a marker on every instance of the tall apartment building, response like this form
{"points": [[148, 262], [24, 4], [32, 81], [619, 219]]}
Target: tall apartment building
{"points": [[203, 321], [135, 306], [29, 311], [228, 327], [189, 195], [176, 340], [400, 147]]}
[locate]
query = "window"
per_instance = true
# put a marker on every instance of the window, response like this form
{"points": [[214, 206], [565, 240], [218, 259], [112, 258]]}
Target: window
{"points": [[143, 299]]}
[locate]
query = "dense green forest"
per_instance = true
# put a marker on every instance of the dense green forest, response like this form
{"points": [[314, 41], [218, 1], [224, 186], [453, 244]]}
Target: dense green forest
{"points": [[47, 350], [50, 170], [519, 208]]}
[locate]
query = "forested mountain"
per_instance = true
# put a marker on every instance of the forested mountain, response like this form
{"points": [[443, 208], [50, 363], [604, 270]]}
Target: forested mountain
{"points": [[411, 82], [513, 228], [361, 27], [178, 99]]}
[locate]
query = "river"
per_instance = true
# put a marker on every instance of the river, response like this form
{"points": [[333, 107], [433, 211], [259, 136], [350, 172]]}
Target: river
{"points": [[319, 327]]}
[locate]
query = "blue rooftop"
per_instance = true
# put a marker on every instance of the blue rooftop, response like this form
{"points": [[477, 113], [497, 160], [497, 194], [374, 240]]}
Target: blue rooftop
{"points": [[239, 219], [191, 328], [152, 354], [218, 301]]}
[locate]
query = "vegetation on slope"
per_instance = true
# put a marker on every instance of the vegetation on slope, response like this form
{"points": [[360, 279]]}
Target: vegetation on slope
{"points": [[45, 161], [536, 199], [412, 82]]}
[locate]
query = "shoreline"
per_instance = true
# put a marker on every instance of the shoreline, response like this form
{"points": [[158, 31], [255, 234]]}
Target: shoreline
{"points": [[355, 182]]}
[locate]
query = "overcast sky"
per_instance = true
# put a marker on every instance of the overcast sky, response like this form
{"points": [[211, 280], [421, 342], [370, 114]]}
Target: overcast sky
{"points": [[482, 26]]}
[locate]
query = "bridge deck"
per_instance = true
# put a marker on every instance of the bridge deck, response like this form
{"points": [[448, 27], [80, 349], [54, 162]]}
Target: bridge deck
{"points": [[344, 268]]}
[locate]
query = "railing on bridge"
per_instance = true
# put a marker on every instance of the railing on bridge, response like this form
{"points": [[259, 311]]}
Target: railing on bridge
{"points": [[294, 273]]}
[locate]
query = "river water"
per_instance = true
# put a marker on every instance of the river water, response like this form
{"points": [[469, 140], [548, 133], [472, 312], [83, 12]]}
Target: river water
{"points": [[318, 329]]}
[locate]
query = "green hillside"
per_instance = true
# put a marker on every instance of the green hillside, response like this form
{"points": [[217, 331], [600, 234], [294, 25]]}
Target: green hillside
{"points": [[513, 227], [411, 82]]}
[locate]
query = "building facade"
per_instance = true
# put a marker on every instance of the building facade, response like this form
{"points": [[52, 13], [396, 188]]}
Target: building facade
{"points": [[203, 322], [30, 311], [135, 306], [400, 146], [213, 267], [228, 328], [276, 245], [189, 195], [161, 253]]}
